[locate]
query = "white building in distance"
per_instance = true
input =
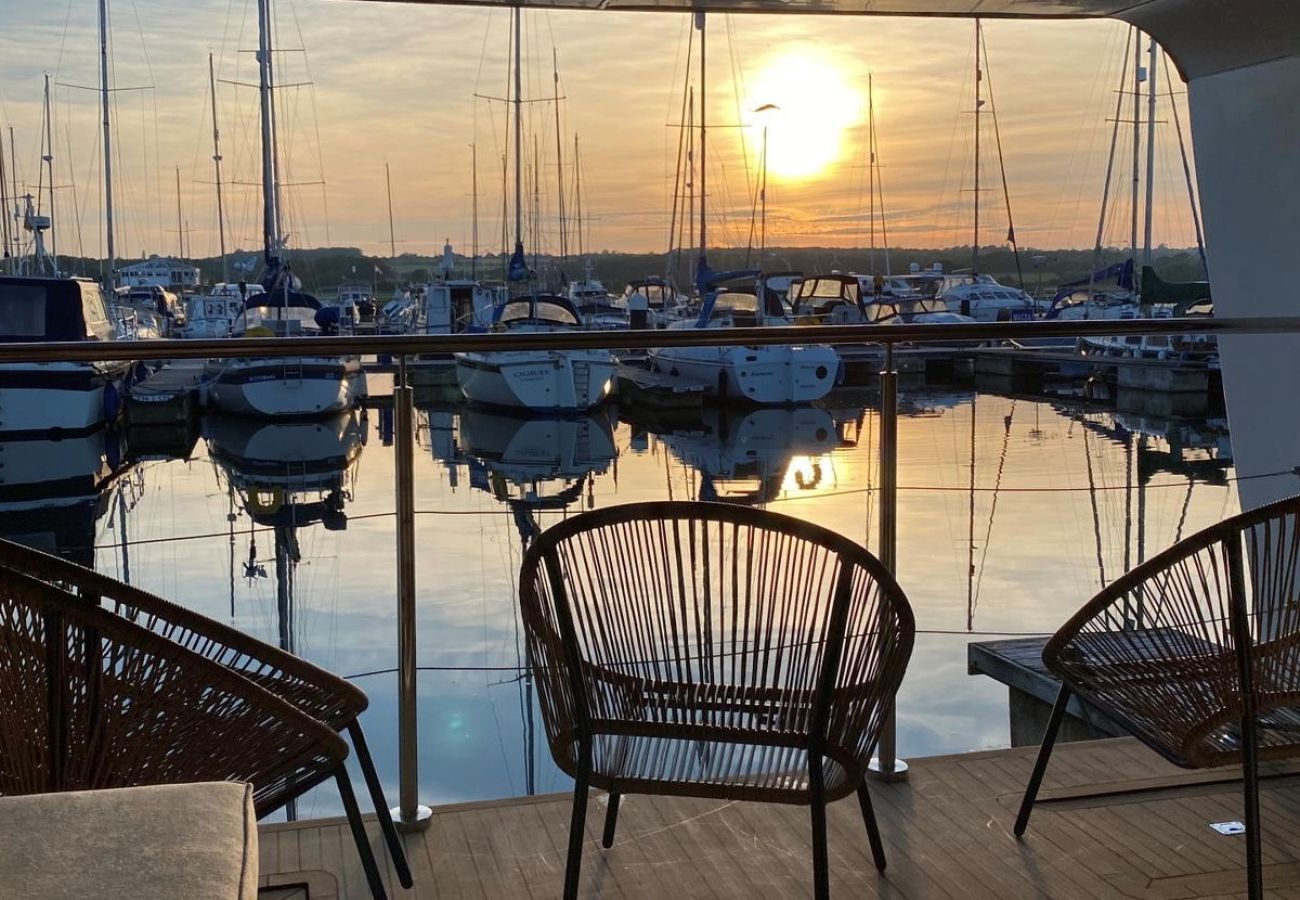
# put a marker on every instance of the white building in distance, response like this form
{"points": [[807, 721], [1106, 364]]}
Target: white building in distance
{"points": [[161, 271]]}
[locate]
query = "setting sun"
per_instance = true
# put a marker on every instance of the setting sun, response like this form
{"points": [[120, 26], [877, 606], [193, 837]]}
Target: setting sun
{"points": [[808, 105]]}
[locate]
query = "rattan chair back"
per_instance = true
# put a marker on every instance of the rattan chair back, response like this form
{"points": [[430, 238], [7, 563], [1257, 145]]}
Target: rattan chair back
{"points": [[658, 627], [1175, 648]]}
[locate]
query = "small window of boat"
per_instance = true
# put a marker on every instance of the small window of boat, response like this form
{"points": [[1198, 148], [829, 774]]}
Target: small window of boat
{"points": [[559, 313], [554, 311], [22, 311], [736, 302]]}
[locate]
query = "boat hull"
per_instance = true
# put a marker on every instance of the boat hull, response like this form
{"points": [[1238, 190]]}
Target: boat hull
{"points": [[72, 398], [768, 376], [290, 388], [542, 380]]}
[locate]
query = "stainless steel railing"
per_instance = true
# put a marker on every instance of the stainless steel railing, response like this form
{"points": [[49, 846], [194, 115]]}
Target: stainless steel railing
{"points": [[412, 345], [411, 814]]}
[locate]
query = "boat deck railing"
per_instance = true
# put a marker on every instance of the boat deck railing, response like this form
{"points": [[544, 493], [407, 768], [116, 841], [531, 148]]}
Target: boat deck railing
{"points": [[403, 347]]}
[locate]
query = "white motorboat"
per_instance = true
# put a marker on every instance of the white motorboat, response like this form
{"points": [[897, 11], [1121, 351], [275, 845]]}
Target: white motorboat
{"points": [[292, 387], [39, 398], [985, 300], [542, 380], [660, 302], [453, 306], [214, 315], [772, 375]]}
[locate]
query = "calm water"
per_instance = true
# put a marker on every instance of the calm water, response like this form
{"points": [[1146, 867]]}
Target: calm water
{"points": [[1013, 512]]}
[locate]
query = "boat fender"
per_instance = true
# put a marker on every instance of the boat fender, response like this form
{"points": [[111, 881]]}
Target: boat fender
{"points": [[113, 449], [265, 503], [112, 402]]}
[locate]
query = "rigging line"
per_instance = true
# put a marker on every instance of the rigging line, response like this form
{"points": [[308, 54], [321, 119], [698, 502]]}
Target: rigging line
{"points": [[1002, 165], [988, 534], [1187, 169], [1096, 521], [951, 632], [673, 231]]}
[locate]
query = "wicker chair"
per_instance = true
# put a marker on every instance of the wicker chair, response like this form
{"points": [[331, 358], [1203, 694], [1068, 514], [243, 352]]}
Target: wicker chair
{"points": [[709, 650], [328, 700], [1197, 653]]}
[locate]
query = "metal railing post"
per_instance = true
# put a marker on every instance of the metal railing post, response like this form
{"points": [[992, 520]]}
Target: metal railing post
{"points": [[409, 815], [886, 766]]}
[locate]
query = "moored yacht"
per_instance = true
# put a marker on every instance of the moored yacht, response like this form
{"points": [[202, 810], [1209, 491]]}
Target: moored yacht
{"points": [[551, 380], [45, 397], [291, 387], [766, 375], [658, 299]]}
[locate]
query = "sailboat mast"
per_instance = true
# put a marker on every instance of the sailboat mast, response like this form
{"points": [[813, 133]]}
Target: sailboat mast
{"points": [[699, 23], [180, 222], [6, 250], [690, 177], [535, 228], [559, 153], [109, 244], [1137, 138], [979, 76], [1151, 149], [270, 216], [871, 170], [216, 162], [13, 174], [392, 240], [48, 159], [473, 259], [577, 184], [519, 141]]}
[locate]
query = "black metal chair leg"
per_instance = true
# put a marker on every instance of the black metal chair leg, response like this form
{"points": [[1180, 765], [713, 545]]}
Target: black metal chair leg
{"points": [[1250, 791], [353, 811], [873, 830], [577, 831], [1040, 765], [611, 820], [817, 792], [391, 837]]}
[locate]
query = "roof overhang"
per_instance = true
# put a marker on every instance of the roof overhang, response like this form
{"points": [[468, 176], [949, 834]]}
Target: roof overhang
{"points": [[1202, 36]]}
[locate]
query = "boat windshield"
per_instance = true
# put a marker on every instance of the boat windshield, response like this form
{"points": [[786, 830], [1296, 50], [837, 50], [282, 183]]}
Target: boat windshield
{"points": [[277, 321], [907, 309], [818, 295], [539, 311]]}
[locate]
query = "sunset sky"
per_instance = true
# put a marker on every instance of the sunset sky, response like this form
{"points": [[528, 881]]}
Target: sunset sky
{"points": [[396, 84]]}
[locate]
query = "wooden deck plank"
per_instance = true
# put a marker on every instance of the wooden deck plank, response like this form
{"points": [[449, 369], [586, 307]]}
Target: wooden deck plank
{"points": [[1115, 821]]}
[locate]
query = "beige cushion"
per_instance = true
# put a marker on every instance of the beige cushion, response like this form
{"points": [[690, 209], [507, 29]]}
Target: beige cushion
{"points": [[192, 841]]}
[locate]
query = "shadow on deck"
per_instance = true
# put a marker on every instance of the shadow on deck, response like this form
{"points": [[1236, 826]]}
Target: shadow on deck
{"points": [[1113, 820]]}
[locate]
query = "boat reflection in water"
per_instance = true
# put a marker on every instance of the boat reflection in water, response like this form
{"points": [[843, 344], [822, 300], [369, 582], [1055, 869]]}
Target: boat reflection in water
{"points": [[53, 493], [744, 456], [531, 465], [286, 476], [516, 458]]}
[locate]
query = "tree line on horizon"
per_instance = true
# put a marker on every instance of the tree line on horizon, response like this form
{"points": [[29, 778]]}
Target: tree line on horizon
{"points": [[323, 269]]}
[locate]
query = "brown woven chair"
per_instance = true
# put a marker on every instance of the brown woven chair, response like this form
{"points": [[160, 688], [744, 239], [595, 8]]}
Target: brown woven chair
{"points": [[709, 650], [327, 699], [1197, 653]]}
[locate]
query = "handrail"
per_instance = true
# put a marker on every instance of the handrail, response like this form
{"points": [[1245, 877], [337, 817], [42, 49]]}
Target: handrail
{"points": [[411, 345]]}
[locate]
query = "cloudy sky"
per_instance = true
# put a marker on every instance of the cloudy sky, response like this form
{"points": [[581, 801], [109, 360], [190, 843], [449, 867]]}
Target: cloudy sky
{"points": [[371, 85]]}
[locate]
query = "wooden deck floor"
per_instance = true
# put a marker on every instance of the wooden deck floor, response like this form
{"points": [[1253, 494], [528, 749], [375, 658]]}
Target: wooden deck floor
{"points": [[1114, 820]]}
